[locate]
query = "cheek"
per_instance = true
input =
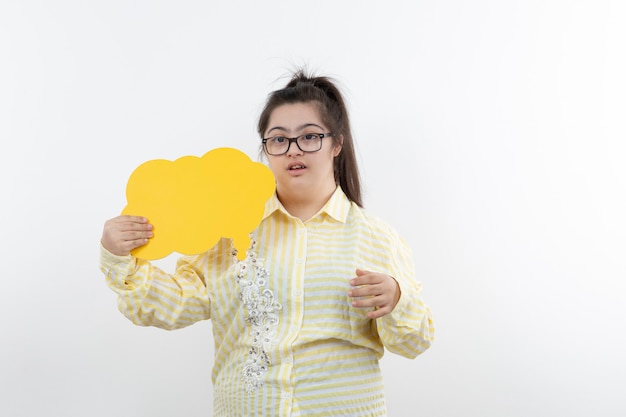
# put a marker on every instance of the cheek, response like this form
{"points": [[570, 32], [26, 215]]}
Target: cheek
{"points": [[333, 154], [276, 165], [271, 162], [326, 162]]}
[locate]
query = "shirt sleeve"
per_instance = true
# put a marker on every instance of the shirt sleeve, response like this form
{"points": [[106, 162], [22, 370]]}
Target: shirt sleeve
{"points": [[408, 330], [148, 296]]}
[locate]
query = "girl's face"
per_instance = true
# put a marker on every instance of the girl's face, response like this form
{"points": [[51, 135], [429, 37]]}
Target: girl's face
{"points": [[296, 170]]}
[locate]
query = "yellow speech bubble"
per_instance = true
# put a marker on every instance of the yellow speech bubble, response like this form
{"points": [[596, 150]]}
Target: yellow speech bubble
{"points": [[193, 201]]}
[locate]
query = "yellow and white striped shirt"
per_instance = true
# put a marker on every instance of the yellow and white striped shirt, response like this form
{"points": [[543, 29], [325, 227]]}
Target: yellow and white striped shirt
{"points": [[287, 340]]}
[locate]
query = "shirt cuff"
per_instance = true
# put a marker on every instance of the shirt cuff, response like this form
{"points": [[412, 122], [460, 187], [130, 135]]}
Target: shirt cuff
{"points": [[116, 268]]}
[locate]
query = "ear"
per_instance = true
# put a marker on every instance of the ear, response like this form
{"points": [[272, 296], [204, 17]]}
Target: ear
{"points": [[338, 146]]}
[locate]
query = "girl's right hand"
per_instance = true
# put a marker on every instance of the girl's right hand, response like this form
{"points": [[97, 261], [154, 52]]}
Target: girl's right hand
{"points": [[124, 233]]}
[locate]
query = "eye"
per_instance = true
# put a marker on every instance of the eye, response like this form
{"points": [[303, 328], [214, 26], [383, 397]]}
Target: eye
{"points": [[311, 136], [278, 139]]}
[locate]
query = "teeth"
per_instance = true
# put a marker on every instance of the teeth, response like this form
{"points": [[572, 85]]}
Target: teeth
{"points": [[297, 167]]}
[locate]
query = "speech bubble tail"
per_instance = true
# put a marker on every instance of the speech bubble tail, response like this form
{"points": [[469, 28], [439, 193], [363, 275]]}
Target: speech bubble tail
{"points": [[241, 243]]}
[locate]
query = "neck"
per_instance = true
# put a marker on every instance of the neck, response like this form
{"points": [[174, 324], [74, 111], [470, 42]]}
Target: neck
{"points": [[304, 204]]}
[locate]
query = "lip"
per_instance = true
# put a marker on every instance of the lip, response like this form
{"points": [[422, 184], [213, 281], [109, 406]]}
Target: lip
{"points": [[296, 164]]}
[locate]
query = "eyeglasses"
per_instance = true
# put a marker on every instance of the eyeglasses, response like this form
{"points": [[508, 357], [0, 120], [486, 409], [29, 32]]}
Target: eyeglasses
{"points": [[279, 145]]}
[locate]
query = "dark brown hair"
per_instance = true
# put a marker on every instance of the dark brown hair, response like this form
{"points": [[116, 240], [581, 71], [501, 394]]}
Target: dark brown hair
{"points": [[303, 88]]}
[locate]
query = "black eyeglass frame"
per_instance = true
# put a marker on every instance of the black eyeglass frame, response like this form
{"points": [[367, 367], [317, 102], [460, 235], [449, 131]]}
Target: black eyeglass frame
{"points": [[295, 140]]}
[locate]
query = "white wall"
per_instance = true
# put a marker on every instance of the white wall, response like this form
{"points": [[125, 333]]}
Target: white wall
{"points": [[491, 133]]}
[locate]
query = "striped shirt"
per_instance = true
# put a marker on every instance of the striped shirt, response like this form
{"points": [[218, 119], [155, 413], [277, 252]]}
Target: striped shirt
{"points": [[287, 340]]}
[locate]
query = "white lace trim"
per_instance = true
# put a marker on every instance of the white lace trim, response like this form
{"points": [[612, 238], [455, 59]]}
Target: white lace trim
{"points": [[262, 318]]}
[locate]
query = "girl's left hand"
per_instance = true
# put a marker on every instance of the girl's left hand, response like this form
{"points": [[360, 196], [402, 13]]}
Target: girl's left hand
{"points": [[378, 291]]}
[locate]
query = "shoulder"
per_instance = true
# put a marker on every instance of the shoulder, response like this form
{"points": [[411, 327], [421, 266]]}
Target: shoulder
{"points": [[379, 244], [373, 223]]}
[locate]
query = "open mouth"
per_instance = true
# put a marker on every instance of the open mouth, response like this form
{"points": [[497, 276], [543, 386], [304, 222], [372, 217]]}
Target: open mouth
{"points": [[296, 167]]}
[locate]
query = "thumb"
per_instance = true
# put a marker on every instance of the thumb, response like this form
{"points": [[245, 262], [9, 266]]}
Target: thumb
{"points": [[360, 272]]}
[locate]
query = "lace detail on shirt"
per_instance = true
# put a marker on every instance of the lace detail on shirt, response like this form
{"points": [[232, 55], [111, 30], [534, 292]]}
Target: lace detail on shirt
{"points": [[261, 307]]}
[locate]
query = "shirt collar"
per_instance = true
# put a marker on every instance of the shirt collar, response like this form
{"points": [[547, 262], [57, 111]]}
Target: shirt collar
{"points": [[336, 207]]}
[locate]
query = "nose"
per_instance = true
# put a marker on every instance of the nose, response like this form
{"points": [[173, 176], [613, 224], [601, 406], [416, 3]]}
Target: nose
{"points": [[295, 149]]}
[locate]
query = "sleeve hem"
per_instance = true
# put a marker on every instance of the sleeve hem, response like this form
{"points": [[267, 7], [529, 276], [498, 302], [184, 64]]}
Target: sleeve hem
{"points": [[116, 268]]}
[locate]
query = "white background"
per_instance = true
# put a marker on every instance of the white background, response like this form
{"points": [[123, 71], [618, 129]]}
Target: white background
{"points": [[490, 133]]}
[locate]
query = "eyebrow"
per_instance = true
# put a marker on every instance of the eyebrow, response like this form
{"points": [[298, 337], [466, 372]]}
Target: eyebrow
{"points": [[301, 127]]}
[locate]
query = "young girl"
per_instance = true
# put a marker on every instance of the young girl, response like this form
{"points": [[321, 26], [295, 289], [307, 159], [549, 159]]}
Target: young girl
{"points": [[301, 323]]}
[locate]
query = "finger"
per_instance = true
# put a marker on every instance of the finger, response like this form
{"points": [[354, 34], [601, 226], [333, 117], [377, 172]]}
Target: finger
{"points": [[126, 218], [369, 279], [130, 236], [120, 227], [127, 223], [130, 245], [371, 301], [362, 279], [113, 234], [135, 227], [365, 291], [378, 313], [124, 247], [363, 275]]}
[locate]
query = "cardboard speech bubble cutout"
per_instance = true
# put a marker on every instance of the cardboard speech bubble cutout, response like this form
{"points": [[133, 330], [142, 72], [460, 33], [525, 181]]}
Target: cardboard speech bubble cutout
{"points": [[193, 201]]}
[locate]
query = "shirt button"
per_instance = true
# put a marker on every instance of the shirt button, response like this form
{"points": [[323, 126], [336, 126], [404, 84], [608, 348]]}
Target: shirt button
{"points": [[297, 293], [301, 231], [288, 359], [285, 395], [299, 261]]}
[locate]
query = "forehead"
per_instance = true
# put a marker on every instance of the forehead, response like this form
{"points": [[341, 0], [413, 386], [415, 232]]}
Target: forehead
{"points": [[293, 115]]}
